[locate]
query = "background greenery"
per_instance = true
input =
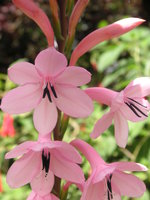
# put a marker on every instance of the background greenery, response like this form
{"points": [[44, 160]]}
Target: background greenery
{"points": [[113, 64]]}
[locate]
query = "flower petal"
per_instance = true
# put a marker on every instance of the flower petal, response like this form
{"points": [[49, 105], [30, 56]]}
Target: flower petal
{"points": [[23, 72], [93, 191], [53, 197], [76, 76], [140, 87], [67, 151], [121, 129], [73, 101], [22, 99], [50, 62], [67, 170], [20, 150], [129, 166], [101, 95], [129, 185], [45, 116], [42, 184], [23, 170], [102, 172], [102, 125]]}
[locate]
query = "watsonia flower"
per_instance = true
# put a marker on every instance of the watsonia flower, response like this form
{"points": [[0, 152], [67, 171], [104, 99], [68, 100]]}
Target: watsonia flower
{"points": [[46, 85], [109, 181], [40, 161], [129, 104]]}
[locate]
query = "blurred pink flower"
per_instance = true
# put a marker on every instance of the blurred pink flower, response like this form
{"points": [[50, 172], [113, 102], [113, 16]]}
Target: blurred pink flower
{"points": [[129, 104], [46, 85], [109, 181], [34, 196], [7, 128], [42, 160]]}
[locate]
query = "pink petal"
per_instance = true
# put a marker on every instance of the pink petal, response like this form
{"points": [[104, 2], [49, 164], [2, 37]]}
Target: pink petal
{"points": [[129, 166], [67, 151], [129, 185], [45, 116], [111, 31], [101, 95], [50, 62], [36, 14], [67, 170], [93, 191], [130, 115], [121, 129], [102, 172], [140, 87], [23, 170], [41, 184], [31, 196], [22, 99], [73, 101], [76, 76], [89, 152], [23, 72], [102, 125], [53, 197], [20, 150]]}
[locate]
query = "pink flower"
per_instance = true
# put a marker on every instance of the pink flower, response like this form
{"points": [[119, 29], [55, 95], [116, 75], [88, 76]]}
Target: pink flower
{"points": [[46, 85], [42, 160], [129, 104], [34, 196], [109, 181], [7, 128]]}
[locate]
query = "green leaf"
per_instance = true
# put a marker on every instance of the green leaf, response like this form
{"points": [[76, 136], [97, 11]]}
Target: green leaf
{"points": [[109, 57]]}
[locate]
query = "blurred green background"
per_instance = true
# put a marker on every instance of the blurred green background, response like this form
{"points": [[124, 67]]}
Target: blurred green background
{"points": [[113, 64]]}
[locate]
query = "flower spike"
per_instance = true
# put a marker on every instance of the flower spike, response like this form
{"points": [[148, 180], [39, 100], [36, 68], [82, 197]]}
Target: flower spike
{"points": [[37, 15], [109, 32]]}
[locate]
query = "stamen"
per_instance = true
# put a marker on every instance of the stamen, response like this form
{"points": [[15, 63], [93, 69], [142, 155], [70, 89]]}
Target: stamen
{"points": [[53, 90], [109, 188], [130, 106], [137, 102], [46, 92], [138, 110]]}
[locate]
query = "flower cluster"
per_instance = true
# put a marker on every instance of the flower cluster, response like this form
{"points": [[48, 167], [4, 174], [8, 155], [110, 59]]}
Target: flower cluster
{"points": [[49, 87]]}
